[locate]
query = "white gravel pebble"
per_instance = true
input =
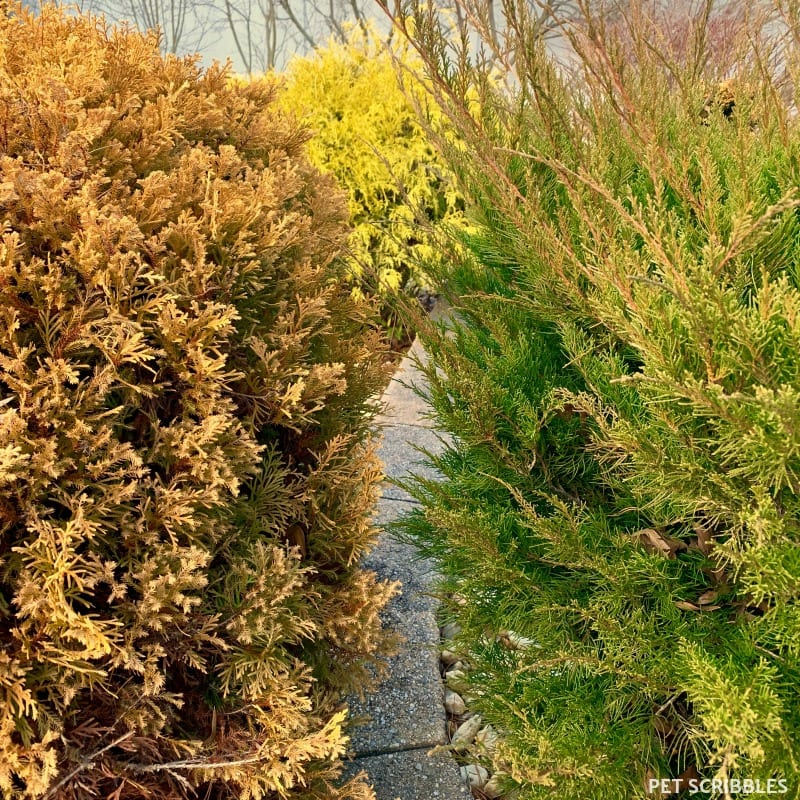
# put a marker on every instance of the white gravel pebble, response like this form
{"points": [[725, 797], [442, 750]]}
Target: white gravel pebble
{"points": [[454, 703], [454, 677], [451, 630], [449, 657], [492, 787], [467, 730], [475, 774], [487, 737], [514, 640]]}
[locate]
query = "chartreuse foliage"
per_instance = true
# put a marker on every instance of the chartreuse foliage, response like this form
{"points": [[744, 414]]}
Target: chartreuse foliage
{"points": [[367, 135], [185, 467], [621, 379]]}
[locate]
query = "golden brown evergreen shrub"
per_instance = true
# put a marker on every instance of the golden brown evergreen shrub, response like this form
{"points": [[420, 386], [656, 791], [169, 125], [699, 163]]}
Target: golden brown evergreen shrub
{"points": [[186, 472]]}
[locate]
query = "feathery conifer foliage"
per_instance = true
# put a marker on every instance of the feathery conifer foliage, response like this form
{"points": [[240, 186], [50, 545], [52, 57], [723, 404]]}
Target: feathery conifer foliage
{"points": [[622, 382], [367, 135], [186, 470]]}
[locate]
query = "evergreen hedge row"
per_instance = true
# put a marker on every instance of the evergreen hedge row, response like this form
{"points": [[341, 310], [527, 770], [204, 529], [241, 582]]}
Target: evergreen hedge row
{"points": [[620, 508], [186, 469]]}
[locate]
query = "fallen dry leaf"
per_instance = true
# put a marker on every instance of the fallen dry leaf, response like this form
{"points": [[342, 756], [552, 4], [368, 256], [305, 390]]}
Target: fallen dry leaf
{"points": [[707, 598], [704, 539], [656, 542], [689, 774], [296, 537]]}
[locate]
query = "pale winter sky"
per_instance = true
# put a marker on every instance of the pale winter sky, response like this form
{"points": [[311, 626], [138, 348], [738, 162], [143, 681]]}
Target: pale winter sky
{"points": [[221, 46]]}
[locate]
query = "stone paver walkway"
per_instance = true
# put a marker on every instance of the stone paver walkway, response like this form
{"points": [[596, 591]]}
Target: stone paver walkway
{"points": [[405, 717]]}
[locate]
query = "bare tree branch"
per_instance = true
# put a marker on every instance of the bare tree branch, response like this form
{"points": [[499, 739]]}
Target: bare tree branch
{"points": [[183, 24], [292, 17], [87, 763]]}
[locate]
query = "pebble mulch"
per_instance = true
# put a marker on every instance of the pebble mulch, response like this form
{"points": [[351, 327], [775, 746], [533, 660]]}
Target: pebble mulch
{"points": [[473, 743]]}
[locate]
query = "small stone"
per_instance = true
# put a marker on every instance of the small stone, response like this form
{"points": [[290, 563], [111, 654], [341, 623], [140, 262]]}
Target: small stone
{"points": [[514, 641], [454, 703], [454, 676], [458, 665], [487, 738], [467, 730], [451, 630], [476, 775], [493, 787], [449, 657]]}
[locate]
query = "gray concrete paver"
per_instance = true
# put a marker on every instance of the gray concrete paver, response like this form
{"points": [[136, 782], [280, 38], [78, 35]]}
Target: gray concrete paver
{"points": [[400, 451], [403, 405], [412, 775], [404, 717], [407, 710]]}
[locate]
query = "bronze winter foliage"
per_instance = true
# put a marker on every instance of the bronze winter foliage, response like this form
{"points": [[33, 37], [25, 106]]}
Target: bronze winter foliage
{"points": [[186, 471]]}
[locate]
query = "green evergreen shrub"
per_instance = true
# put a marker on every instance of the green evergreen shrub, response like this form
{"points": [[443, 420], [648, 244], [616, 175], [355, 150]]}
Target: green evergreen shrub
{"points": [[620, 508], [367, 135], [186, 466]]}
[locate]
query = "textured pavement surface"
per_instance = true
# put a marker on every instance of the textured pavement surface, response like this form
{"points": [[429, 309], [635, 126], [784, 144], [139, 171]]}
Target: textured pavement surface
{"points": [[405, 716]]}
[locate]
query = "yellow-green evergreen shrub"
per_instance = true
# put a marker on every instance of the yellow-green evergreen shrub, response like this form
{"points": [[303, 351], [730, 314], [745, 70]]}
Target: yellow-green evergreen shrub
{"points": [[186, 473], [367, 134]]}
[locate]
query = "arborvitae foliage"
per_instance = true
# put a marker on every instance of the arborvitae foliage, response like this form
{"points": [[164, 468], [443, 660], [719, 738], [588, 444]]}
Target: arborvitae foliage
{"points": [[623, 387], [367, 135], [186, 469]]}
